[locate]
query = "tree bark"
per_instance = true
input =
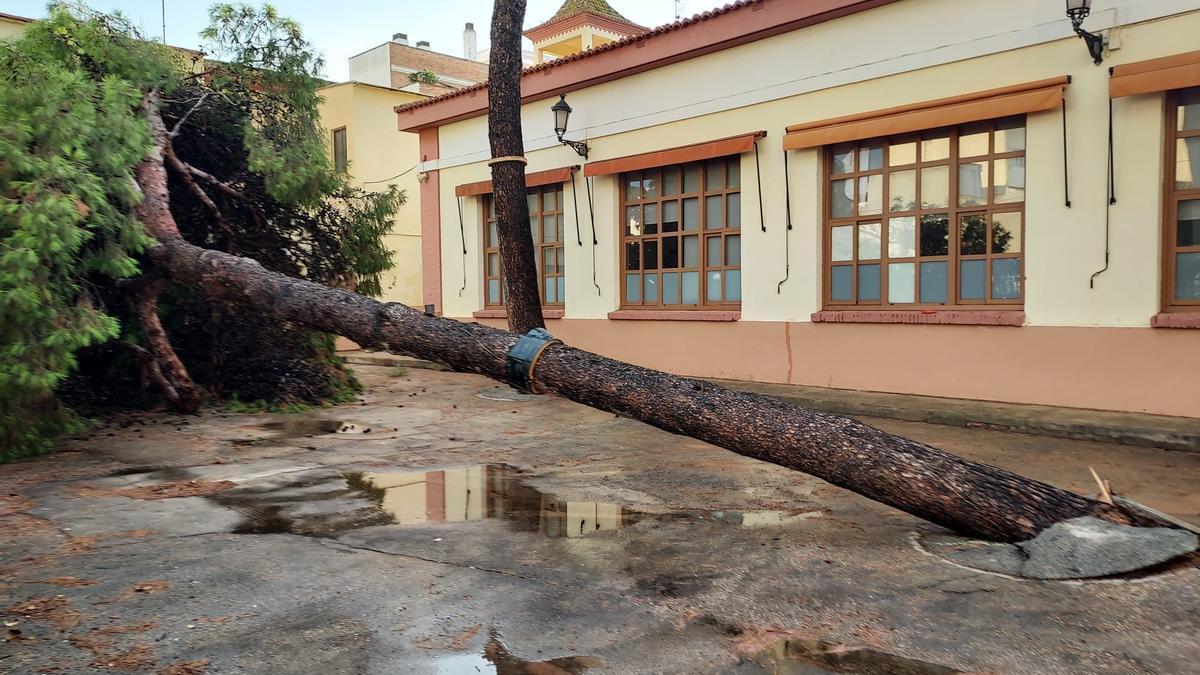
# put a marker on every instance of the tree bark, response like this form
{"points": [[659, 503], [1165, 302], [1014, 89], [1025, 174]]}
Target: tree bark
{"points": [[166, 369], [522, 295]]}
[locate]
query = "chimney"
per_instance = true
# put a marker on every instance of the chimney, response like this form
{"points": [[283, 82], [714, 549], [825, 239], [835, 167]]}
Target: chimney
{"points": [[470, 52], [423, 44], [400, 38]]}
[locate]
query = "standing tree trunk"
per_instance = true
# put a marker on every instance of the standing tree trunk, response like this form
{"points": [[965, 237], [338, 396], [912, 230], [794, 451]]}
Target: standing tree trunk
{"points": [[522, 295]]}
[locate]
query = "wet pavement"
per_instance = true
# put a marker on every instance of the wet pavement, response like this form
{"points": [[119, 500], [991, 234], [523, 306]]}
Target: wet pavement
{"points": [[444, 526]]}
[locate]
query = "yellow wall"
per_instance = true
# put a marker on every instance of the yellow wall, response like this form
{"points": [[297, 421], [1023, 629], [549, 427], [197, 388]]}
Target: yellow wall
{"points": [[832, 69], [376, 151], [11, 29]]}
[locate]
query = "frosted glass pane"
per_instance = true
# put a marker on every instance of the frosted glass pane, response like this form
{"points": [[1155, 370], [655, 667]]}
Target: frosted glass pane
{"points": [[547, 261], [902, 191], [1187, 276], [902, 237], [633, 187], [733, 286], [1006, 233], [1006, 279], [650, 288], [691, 288], [691, 214], [973, 144], [531, 200], [562, 289], [670, 216], [691, 178], [840, 284], [733, 250], [633, 288], [973, 184], [733, 210], [551, 288], [868, 283], [493, 292], [551, 230], [535, 229], [493, 264], [841, 204], [714, 213], [902, 282], [650, 184], [869, 241], [935, 187], [971, 279], [1009, 184], [713, 291], [870, 195], [670, 288], [933, 282], [550, 199], [493, 239], [841, 243], [733, 169], [691, 251]]}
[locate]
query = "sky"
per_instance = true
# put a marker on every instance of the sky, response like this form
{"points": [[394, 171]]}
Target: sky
{"points": [[342, 29]]}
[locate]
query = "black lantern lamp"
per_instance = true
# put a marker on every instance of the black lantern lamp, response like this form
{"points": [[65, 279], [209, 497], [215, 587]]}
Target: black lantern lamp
{"points": [[562, 113], [1077, 11]]}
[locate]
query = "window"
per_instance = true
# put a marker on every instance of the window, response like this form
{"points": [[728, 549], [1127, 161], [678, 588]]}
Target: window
{"points": [[546, 226], [927, 220], [1182, 236], [339, 149], [682, 245]]}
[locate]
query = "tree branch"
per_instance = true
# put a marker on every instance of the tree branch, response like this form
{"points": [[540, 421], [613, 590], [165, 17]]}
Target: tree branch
{"points": [[183, 170], [196, 106]]}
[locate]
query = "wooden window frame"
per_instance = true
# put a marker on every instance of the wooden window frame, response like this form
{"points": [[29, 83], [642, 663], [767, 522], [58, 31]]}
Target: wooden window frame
{"points": [[1171, 198], [333, 144], [954, 212], [556, 249], [703, 233]]}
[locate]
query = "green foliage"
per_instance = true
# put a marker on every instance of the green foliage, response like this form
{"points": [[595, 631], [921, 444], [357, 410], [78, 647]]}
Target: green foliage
{"points": [[70, 141], [73, 134], [398, 371], [426, 76], [239, 407]]}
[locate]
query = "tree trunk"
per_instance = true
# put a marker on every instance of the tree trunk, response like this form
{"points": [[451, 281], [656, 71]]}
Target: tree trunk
{"points": [[522, 295], [163, 367]]}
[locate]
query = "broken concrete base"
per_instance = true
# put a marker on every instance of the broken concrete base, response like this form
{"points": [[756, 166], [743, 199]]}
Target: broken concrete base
{"points": [[1080, 548]]}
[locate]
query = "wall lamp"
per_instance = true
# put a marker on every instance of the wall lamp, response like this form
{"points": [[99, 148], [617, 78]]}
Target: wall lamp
{"points": [[562, 113], [1077, 11]]}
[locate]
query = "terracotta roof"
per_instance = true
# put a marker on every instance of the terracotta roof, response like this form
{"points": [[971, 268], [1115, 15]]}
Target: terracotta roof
{"points": [[578, 56], [571, 8], [16, 19]]}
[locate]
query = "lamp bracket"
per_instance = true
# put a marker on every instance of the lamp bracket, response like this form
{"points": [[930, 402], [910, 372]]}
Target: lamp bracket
{"points": [[580, 147]]}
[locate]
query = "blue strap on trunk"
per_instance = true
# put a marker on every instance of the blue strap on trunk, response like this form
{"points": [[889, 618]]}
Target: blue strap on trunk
{"points": [[523, 356]]}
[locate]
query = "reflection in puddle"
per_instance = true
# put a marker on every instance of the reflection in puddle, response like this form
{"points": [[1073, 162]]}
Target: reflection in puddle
{"points": [[482, 492], [802, 656], [326, 502], [300, 427], [498, 660]]}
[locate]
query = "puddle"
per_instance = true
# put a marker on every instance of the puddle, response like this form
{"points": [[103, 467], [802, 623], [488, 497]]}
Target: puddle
{"points": [[325, 502], [306, 427], [807, 656], [498, 660]]}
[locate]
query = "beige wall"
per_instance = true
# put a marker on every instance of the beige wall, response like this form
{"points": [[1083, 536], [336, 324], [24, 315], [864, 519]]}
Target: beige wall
{"points": [[376, 150], [11, 29]]}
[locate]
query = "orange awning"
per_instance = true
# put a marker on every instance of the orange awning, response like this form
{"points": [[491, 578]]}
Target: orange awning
{"points": [[535, 179], [733, 145], [1155, 75], [983, 105]]}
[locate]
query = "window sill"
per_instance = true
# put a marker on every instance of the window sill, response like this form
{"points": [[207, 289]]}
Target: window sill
{"points": [[941, 317], [1176, 320], [503, 313], [674, 315]]}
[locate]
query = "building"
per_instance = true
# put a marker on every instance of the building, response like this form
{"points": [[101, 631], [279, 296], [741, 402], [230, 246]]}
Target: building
{"points": [[398, 65], [580, 25], [904, 196], [361, 128], [12, 26]]}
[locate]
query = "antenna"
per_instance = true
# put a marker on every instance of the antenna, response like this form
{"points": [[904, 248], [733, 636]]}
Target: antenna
{"points": [[164, 18], [679, 9]]}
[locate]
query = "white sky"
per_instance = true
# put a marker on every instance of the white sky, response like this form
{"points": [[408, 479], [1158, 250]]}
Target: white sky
{"points": [[341, 29]]}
